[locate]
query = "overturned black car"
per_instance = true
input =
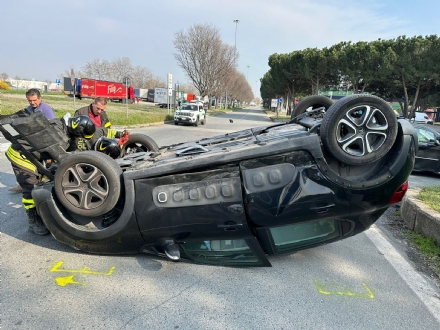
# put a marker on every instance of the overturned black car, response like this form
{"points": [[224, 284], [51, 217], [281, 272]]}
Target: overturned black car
{"points": [[327, 174]]}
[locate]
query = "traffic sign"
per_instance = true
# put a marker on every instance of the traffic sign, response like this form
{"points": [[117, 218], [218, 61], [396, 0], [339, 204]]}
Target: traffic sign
{"points": [[170, 84], [126, 81]]}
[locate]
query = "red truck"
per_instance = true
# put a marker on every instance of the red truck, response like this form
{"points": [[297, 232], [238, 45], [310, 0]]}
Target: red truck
{"points": [[91, 88]]}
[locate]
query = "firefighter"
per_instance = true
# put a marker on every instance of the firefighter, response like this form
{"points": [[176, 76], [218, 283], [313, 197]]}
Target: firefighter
{"points": [[96, 112], [36, 104], [26, 172]]}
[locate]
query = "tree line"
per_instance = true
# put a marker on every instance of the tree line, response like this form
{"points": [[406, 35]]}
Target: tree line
{"points": [[119, 68], [405, 70]]}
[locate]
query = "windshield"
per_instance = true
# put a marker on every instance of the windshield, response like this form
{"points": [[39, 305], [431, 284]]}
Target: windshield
{"points": [[188, 107]]}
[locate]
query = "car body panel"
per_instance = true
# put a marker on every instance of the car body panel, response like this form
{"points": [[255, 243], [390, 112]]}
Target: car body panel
{"points": [[428, 155]]}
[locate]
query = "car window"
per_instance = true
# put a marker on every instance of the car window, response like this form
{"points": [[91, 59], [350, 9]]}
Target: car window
{"points": [[298, 235], [233, 252], [424, 135]]}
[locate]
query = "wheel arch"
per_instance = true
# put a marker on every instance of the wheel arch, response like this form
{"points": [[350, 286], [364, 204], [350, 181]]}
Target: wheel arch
{"points": [[59, 221]]}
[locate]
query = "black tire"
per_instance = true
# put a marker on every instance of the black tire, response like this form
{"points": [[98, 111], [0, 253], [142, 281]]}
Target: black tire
{"points": [[88, 183], [359, 129], [139, 143], [176, 123], [197, 122], [204, 121], [314, 101]]}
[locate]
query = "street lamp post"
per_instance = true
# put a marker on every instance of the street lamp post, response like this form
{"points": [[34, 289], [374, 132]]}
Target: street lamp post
{"points": [[236, 21], [126, 82]]}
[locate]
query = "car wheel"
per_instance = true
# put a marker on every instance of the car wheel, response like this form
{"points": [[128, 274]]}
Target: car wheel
{"points": [[315, 101], [88, 183], [204, 121], [176, 123], [139, 143], [197, 122], [359, 129]]}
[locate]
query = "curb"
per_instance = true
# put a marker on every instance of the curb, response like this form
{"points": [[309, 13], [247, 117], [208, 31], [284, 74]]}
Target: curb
{"points": [[419, 217]]}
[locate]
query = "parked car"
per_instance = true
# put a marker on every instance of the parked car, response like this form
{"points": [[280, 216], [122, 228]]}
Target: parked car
{"points": [[232, 200], [428, 156]]}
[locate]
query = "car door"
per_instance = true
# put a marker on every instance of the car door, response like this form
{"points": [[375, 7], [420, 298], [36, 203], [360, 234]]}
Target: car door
{"points": [[201, 112], [290, 203], [203, 212], [428, 156]]}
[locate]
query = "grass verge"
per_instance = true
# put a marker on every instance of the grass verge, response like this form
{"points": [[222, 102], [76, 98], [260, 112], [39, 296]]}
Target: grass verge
{"points": [[430, 195], [427, 246], [119, 114]]}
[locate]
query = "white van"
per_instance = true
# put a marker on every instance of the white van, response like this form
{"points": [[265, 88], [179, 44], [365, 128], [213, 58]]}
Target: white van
{"points": [[422, 118]]}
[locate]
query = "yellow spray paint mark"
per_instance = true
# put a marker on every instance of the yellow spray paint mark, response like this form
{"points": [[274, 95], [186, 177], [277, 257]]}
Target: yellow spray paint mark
{"points": [[343, 290], [85, 270], [63, 281]]}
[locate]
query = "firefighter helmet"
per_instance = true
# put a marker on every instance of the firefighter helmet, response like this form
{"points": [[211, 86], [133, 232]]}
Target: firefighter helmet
{"points": [[108, 146], [81, 126]]}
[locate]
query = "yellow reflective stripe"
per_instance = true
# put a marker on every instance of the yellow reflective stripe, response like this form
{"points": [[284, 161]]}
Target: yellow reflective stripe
{"points": [[111, 133], [15, 157], [88, 137], [107, 125], [28, 203]]}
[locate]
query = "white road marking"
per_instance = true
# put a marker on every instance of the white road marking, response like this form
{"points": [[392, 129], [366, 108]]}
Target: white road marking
{"points": [[427, 294]]}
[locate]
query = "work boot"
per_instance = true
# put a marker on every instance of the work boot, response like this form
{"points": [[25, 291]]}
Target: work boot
{"points": [[16, 189], [36, 224]]}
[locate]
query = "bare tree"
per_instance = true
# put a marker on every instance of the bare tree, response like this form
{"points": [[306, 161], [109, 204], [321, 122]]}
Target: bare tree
{"points": [[156, 81], [117, 70], [4, 76], [121, 68], [140, 77], [97, 69], [238, 87], [188, 88], [204, 57], [66, 73]]}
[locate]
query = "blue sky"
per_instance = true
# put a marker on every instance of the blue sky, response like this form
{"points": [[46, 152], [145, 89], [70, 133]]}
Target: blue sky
{"points": [[40, 39]]}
